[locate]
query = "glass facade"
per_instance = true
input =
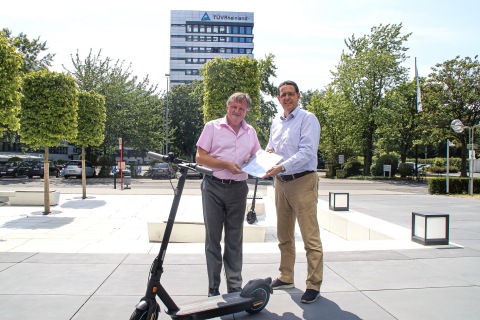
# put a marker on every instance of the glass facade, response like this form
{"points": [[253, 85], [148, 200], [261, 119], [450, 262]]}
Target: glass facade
{"points": [[199, 36]]}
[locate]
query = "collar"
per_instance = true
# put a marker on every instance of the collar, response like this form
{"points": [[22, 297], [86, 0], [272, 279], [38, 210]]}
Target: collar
{"points": [[223, 122], [292, 114]]}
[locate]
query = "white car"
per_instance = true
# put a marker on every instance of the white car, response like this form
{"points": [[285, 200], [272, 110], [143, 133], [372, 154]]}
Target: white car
{"points": [[73, 168]]}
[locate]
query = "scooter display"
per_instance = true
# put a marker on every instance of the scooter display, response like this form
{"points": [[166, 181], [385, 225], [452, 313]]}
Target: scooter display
{"points": [[253, 298]]}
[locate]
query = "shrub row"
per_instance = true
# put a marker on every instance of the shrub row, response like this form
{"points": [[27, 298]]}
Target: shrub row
{"points": [[455, 185]]}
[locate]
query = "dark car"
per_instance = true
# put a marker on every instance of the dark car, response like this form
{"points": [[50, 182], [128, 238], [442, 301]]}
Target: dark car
{"points": [[9, 169], [37, 170], [162, 170], [15, 169]]}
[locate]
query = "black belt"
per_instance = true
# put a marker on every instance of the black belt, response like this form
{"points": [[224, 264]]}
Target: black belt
{"points": [[290, 177], [226, 181]]}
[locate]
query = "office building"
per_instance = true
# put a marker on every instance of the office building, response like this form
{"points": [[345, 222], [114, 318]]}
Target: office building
{"points": [[199, 36]]}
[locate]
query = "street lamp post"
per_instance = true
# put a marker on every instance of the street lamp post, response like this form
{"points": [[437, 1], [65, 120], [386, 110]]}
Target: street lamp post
{"points": [[449, 144], [458, 127], [166, 118]]}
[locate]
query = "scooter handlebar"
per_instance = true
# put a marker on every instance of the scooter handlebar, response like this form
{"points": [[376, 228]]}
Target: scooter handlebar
{"points": [[171, 158], [201, 169], [158, 156]]}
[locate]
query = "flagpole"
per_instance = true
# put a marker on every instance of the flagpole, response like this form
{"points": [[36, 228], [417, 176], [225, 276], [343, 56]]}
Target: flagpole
{"points": [[416, 109]]}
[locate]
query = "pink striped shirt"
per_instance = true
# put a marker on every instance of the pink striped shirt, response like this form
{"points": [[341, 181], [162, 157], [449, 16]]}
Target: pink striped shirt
{"points": [[220, 141]]}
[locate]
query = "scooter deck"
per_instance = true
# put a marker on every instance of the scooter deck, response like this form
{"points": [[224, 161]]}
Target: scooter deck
{"points": [[214, 305]]}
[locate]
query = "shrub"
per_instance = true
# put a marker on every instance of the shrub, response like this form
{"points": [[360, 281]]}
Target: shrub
{"points": [[330, 171], [443, 169], [405, 170], [389, 159], [352, 168], [455, 185]]}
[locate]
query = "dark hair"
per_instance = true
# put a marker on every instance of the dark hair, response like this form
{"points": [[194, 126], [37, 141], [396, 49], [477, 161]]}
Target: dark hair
{"points": [[287, 83], [239, 97]]}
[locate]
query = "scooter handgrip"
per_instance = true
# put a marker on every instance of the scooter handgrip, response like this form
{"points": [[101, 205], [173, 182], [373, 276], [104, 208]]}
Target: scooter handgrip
{"points": [[204, 170], [158, 156]]}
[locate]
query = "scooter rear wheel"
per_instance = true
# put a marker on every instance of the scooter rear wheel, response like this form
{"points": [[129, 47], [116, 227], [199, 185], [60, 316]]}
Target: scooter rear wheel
{"points": [[261, 296], [140, 314]]}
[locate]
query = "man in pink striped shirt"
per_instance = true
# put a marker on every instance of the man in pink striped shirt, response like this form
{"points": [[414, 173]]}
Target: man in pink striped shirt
{"points": [[224, 145]]}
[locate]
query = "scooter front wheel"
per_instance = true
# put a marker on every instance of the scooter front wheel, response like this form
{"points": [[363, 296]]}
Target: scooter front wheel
{"points": [[260, 295], [141, 311]]}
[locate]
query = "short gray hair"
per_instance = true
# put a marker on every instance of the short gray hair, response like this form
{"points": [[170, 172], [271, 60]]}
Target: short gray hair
{"points": [[239, 97]]}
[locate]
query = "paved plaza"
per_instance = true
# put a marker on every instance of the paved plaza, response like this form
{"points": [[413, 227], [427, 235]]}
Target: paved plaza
{"points": [[90, 258]]}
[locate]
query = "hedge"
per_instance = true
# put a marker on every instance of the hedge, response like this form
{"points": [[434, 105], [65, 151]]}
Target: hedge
{"points": [[455, 185]]}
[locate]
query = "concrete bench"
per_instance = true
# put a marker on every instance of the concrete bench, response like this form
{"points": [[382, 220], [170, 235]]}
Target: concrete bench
{"points": [[6, 195], [352, 225], [33, 198], [194, 232]]}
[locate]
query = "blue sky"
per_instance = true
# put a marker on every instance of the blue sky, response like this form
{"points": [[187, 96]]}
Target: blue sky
{"points": [[306, 36]]}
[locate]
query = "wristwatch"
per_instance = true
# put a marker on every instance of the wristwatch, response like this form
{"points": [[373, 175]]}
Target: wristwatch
{"points": [[283, 169]]}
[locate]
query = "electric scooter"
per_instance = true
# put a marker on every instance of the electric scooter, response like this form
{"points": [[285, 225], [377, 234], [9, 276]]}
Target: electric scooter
{"points": [[253, 298]]}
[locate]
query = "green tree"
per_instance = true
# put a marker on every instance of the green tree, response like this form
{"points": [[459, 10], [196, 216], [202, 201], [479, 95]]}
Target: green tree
{"points": [[134, 110], [48, 114], [333, 112], [32, 51], [222, 77], [33, 58], [10, 86], [398, 121], [370, 67], [268, 108], [91, 126], [453, 92], [185, 104]]}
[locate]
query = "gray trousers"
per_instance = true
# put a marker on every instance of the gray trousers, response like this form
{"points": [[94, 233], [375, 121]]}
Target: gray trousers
{"points": [[224, 210]]}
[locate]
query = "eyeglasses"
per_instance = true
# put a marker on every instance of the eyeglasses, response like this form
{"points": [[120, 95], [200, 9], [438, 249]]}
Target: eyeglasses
{"points": [[290, 94]]}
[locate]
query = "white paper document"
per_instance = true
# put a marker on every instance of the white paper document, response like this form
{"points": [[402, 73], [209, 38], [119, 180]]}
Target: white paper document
{"points": [[258, 165]]}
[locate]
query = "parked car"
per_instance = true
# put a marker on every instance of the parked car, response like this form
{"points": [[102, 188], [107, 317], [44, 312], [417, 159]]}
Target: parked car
{"points": [[12, 169], [38, 169], [163, 170], [73, 168], [25, 167]]}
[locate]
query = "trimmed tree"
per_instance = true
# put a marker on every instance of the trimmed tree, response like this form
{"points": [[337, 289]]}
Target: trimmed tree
{"points": [[48, 115], [92, 115], [10, 86], [222, 78]]}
